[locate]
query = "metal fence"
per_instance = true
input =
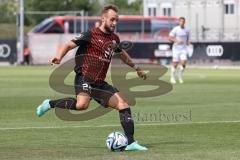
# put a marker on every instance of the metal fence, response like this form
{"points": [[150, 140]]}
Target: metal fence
{"points": [[216, 35]]}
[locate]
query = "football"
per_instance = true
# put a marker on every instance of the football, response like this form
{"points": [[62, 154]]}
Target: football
{"points": [[116, 141]]}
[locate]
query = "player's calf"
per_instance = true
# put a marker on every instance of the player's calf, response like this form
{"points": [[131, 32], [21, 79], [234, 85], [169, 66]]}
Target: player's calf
{"points": [[173, 74], [127, 123], [181, 70]]}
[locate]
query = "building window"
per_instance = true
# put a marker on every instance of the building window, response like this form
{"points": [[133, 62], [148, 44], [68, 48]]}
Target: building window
{"points": [[229, 8], [167, 12], [166, 8], [149, 11], [152, 11]]}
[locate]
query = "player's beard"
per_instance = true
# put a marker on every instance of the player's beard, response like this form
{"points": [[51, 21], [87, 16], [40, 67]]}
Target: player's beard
{"points": [[109, 29]]}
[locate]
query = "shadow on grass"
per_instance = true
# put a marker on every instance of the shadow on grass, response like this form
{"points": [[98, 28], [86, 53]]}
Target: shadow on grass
{"points": [[154, 145], [93, 147]]}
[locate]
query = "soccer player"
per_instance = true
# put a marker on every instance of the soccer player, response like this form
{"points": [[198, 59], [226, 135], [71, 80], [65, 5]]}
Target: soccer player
{"points": [[180, 37], [94, 54]]}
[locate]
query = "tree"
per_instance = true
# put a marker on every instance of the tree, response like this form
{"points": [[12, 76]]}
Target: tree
{"points": [[135, 8], [8, 11], [58, 5]]}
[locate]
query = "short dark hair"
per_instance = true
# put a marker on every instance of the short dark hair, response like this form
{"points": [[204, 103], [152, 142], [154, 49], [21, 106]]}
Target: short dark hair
{"points": [[183, 18], [108, 7]]}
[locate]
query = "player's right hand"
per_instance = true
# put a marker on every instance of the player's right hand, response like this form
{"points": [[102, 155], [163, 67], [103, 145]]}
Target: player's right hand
{"points": [[141, 73], [54, 60]]}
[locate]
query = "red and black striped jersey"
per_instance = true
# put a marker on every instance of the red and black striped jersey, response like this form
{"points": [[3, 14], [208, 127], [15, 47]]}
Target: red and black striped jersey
{"points": [[94, 54]]}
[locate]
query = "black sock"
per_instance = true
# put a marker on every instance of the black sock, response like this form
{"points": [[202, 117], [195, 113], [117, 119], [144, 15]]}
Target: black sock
{"points": [[127, 124], [65, 103]]}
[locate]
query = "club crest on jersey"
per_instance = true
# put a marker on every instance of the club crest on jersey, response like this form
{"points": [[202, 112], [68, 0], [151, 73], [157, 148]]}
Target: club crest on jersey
{"points": [[114, 42]]}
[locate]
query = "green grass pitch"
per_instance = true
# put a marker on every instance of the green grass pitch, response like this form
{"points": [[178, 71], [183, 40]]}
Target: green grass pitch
{"points": [[199, 119]]}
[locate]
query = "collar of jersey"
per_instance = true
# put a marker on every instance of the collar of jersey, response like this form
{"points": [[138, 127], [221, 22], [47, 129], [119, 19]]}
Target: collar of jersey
{"points": [[103, 32]]}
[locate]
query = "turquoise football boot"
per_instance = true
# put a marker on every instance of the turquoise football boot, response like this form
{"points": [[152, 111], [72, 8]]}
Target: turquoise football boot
{"points": [[43, 108], [135, 147]]}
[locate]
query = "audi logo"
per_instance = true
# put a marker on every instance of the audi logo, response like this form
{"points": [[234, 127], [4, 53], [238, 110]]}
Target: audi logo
{"points": [[5, 50], [214, 50]]}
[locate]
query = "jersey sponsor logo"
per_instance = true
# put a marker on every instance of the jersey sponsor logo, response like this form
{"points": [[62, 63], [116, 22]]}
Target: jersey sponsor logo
{"points": [[104, 59], [5, 50], [108, 53], [109, 48], [214, 50]]}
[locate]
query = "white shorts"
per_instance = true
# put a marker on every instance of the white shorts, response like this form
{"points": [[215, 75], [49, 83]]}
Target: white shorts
{"points": [[179, 55]]}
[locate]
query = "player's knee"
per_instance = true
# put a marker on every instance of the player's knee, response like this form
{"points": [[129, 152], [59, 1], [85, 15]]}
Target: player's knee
{"points": [[82, 106], [122, 105], [174, 65]]}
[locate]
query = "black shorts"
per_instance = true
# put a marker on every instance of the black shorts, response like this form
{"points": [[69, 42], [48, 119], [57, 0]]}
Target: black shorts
{"points": [[100, 92]]}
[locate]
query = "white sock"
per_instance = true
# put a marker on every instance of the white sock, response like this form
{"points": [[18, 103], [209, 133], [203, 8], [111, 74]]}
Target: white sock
{"points": [[173, 72], [180, 73]]}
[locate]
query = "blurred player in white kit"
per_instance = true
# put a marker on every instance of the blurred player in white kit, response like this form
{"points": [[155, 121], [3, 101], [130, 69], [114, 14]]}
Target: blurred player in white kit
{"points": [[179, 36]]}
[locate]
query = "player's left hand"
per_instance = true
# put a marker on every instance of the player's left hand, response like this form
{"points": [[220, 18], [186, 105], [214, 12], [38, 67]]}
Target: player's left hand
{"points": [[141, 73]]}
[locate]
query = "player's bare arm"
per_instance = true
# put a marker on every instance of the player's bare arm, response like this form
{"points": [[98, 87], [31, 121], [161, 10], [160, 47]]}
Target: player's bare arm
{"points": [[67, 47], [127, 60], [188, 40]]}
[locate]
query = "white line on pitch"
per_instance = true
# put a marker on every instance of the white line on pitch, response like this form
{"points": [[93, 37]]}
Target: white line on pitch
{"points": [[116, 125]]}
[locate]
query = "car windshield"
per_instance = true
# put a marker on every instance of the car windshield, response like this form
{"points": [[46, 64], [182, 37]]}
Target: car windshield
{"points": [[44, 24]]}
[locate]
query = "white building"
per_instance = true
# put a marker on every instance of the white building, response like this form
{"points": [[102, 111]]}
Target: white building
{"points": [[209, 20]]}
